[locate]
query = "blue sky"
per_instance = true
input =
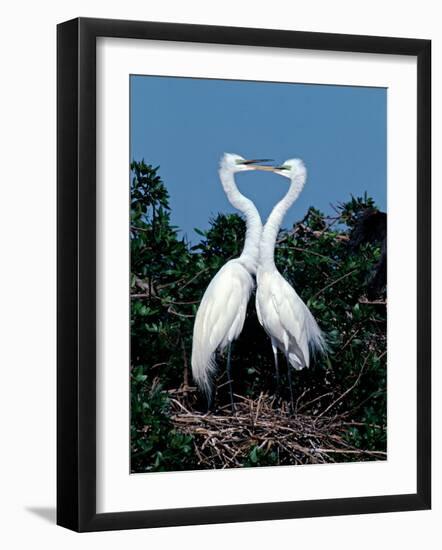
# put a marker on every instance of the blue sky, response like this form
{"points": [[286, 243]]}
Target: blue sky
{"points": [[184, 125]]}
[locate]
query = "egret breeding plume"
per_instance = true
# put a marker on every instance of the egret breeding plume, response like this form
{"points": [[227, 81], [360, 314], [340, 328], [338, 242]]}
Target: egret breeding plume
{"points": [[221, 314], [284, 316]]}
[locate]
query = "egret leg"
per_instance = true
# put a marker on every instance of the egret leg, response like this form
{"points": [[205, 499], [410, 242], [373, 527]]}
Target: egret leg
{"points": [[275, 355], [289, 376], [229, 376], [211, 402]]}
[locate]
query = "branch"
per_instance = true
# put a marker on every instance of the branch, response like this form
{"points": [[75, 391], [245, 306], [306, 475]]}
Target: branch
{"points": [[171, 310], [333, 283], [347, 391], [299, 249]]}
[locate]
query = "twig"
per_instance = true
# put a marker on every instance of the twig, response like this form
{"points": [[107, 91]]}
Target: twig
{"points": [[164, 300], [224, 439], [195, 277], [352, 451], [307, 251], [185, 367], [353, 335], [171, 310], [135, 228], [333, 283], [372, 302], [347, 391], [314, 400]]}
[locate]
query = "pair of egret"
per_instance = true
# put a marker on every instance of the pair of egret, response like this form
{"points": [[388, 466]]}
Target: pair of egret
{"points": [[284, 316]]}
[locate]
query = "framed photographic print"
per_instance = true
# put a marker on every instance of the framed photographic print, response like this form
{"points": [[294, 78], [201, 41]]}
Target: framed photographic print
{"points": [[243, 274]]}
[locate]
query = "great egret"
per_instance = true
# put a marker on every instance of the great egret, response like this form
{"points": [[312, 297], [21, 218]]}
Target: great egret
{"points": [[220, 316], [284, 316]]}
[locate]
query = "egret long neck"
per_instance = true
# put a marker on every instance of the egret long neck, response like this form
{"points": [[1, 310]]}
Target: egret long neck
{"points": [[274, 221], [250, 252]]}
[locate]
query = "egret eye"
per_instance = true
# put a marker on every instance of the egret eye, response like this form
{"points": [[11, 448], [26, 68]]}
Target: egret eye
{"points": [[239, 161]]}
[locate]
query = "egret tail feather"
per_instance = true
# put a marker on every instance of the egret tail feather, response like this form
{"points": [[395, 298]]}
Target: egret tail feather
{"points": [[204, 368], [315, 336]]}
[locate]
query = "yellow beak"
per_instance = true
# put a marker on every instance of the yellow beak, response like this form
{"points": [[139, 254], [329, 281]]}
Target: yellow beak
{"points": [[263, 168]]}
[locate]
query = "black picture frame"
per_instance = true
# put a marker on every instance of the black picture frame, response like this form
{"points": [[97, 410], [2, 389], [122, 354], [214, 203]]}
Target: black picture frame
{"points": [[76, 274]]}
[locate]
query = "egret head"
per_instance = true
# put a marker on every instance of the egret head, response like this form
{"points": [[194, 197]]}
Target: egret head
{"points": [[236, 163], [291, 168]]}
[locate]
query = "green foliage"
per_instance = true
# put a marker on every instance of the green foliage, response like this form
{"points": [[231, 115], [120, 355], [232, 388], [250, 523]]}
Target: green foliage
{"points": [[349, 210], [167, 282], [260, 457], [156, 446]]}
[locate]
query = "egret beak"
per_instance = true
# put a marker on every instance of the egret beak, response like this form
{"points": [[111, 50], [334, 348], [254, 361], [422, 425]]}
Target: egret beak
{"points": [[258, 166], [265, 168], [254, 161]]}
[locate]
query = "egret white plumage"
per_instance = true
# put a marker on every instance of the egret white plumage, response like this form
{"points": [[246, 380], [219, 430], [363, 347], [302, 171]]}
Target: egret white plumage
{"points": [[284, 316], [221, 313]]}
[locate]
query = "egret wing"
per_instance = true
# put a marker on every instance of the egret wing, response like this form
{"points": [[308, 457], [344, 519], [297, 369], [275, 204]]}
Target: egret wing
{"points": [[291, 312], [220, 318]]}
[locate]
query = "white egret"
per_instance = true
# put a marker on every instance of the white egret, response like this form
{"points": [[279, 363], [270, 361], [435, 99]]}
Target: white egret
{"points": [[221, 313], [284, 316]]}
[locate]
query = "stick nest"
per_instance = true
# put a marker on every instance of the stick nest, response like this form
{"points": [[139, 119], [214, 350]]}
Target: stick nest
{"points": [[263, 431]]}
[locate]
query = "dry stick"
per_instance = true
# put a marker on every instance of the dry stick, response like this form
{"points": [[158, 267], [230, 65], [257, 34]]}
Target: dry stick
{"points": [[258, 407], [299, 398], [333, 207], [182, 390], [181, 406], [135, 228], [182, 279], [327, 227], [159, 365], [373, 302], [293, 231], [195, 277], [163, 300], [198, 454], [185, 368], [352, 336], [219, 386], [348, 390], [177, 303], [314, 400], [356, 407], [304, 438], [171, 310], [352, 451], [333, 283], [307, 251], [370, 396], [365, 424]]}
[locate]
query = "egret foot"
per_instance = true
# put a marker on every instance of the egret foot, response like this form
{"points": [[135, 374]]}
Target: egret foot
{"points": [[229, 378], [277, 380], [289, 376], [211, 403]]}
